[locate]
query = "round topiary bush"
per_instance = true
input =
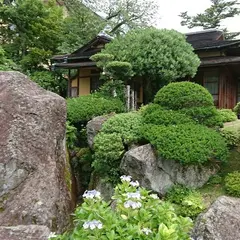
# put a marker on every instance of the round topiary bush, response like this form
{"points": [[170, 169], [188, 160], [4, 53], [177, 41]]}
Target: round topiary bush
{"points": [[187, 143], [227, 115], [155, 114], [232, 184], [180, 95]]}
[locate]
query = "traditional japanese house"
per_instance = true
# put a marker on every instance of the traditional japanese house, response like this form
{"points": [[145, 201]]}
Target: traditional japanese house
{"points": [[219, 71]]}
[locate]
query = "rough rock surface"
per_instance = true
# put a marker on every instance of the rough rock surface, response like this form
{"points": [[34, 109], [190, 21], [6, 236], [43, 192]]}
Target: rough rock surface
{"points": [[23, 232], [93, 127], [33, 187], [159, 174], [220, 222]]}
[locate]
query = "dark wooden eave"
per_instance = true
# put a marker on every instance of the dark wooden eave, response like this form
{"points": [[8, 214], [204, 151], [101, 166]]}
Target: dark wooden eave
{"points": [[216, 61]]}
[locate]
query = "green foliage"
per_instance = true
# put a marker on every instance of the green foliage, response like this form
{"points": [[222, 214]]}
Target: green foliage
{"points": [[162, 55], [236, 109], [84, 108], [215, 179], [232, 184], [154, 114], [102, 59], [6, 64], [181, 95], [30, 31], [136, 215], [80, 26], [50, 81], [70, 135], [208, 116], [227, 115], [126, 124], [117, 133], [187, 143], [108, 149], [188, 203], [119, 70], [213, 16], [231, 136]]}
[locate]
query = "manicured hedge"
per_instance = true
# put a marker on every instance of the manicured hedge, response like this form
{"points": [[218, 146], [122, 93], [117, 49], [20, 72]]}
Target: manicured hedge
{"points": [[187, 143], [84, 108], [180, 95], [227, 115], [232, 184], [155, 114]]}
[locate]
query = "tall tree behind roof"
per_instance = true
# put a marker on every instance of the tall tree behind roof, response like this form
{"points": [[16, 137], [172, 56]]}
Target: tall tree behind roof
{"points": [[122, 15], [213, 16]]}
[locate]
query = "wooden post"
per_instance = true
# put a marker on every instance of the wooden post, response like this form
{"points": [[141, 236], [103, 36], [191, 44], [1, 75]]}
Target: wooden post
{"points": [[69, 84], [128, 96], [78, 83]]}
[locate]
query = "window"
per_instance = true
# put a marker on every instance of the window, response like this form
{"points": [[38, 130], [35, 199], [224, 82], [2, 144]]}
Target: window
{"points": [[211, 83], [95, 83]]}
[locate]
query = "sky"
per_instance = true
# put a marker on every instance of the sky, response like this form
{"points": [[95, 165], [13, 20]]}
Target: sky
{"points": [[170, 9]]}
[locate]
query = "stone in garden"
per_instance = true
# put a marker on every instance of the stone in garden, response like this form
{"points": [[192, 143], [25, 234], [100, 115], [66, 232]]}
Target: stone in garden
{"points": [[220, 222], [33, 168], [93, 128], [24, 232], [159, 174]]}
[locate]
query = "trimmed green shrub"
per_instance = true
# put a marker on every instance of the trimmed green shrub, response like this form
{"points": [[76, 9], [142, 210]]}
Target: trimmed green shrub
{"points": [[180, 95], [126, 124], [154, 114], [110, 144], [188, 203], [71, 137], [227, 115], [232, 184], [187, 143], [236, 109], [208, 116], [232, 137], [84, 108], [108, 151]]}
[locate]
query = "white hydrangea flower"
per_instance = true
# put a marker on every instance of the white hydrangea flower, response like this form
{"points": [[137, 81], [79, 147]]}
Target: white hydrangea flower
{"points": [[125, 178], [134, 195], [132, 204], [134, 184], [146, 231], [154, 196], [52, 235], [93, 224], [91, 194]]}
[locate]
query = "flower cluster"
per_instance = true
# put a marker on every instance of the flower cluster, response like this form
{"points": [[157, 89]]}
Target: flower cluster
{"points": [[132, 204], [93, 224], [125, 178], [91, 194], [134, 195], [146, 231]]}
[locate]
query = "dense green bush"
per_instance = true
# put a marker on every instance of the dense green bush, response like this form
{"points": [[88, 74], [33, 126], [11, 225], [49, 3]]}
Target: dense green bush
{"points": [[126, 124], [71, 136], [227, 115], [188, 203], [232, 137], [155, 114], [232, 184], [137, 215], [180, 95], [84, 108], [111, 143], [187, 143], [208, 116], [236, 109], [108, 149]]}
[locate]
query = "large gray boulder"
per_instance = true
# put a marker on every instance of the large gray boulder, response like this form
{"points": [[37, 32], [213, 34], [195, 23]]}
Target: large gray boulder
{"points": [[158, 174], [220, 222], [33, 170], [93, 128], [21, 232]]}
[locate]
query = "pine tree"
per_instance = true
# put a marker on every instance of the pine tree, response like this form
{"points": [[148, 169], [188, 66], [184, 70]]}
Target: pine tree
{"points": [[213, 16]]}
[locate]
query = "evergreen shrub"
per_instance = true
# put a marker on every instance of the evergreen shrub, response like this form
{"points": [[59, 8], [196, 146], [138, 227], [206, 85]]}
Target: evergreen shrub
{"points": [[187, 143], [155, 114], [227, 115], [232, 184], [84, 108], [180, 95]]}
